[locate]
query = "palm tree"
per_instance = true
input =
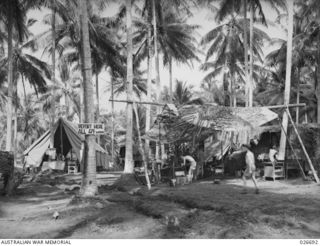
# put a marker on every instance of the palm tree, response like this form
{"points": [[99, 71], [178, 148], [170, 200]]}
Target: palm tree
{"points": [[283, 138], [171, 35], [89, 182], [66, 91], [69, 89], [182, 94], [104, 43], [228, 51], [129, 164], [303, 58], [15, 15], [310, 13], [211, 92], [32, 123], [234, 6], [177, 41]]}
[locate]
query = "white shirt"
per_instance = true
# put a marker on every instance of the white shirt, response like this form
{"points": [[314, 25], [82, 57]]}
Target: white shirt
{"points": [[272, 153]]}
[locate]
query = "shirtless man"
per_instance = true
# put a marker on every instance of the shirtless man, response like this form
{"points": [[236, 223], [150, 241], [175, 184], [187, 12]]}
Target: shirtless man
{"points": [[250, 169], [193, 165]]}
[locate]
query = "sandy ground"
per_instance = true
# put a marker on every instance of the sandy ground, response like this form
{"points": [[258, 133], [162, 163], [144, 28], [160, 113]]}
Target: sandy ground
{"points": [[283, 209]]}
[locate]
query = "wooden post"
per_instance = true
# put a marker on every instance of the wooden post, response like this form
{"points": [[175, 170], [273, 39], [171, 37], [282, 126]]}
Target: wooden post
{"points": [[303, 148]]}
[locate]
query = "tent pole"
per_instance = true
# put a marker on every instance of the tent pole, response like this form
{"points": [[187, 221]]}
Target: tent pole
{"points": [[303, 148]]}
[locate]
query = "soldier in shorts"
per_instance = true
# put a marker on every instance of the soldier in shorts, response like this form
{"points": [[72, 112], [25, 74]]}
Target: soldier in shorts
{"points": [[250, 169], [192, 167]]}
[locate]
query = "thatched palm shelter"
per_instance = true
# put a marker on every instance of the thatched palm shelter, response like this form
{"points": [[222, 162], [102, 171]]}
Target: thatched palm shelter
{"points": [[227, 125], [190, 122]]}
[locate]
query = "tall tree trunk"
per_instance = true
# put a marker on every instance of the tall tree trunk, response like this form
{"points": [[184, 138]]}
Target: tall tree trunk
{"points": [[97, 94], [298, 96], [245, 44], [145, 165], [81, 98], [282, 149], [81, 113], [318, 80], [53, 75], [10, 78], [148, 106], [129, 164], [170, 80], [97, 98], [157, 68], [89, 182], [232, 94], [67, 101], [112, 121], [250, 91], [15, 124], [24, 90]]}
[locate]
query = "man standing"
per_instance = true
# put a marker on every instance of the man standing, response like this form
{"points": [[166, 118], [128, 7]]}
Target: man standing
{"points": [[273, 155], [250, 169], [193, 165]]}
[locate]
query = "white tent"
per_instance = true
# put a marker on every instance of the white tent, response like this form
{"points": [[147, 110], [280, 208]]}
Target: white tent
{"points": [[65, 138]]}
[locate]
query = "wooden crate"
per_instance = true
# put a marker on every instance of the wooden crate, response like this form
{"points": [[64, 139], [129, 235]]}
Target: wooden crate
{"points": [[182, 180]]}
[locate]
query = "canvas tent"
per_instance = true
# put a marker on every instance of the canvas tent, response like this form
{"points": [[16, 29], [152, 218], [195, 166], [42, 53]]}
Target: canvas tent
{"points": [[65, 138]]}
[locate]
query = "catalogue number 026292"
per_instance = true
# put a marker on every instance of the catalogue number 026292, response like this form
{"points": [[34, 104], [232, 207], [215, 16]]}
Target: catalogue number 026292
{"points": [[309, 242]]}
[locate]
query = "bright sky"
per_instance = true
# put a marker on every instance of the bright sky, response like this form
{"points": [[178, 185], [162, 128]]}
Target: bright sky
{"points": [[192, 75]]}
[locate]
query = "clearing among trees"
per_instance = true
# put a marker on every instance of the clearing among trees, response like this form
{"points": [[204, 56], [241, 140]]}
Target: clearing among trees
{"points": [[198, 210]]}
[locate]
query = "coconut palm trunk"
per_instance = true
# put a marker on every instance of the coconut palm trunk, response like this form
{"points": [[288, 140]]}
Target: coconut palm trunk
{"points": [[129, 164], [89, 182], [298, 95], [318, 80], [232, 94], [10, 78], [97, 98], [15, 128], [148, 106], [157, 67], [97, 94], [170, 80], [250, 90], [112, 121], [245, 44], [141, 148], [288, 81], [53, 75]]}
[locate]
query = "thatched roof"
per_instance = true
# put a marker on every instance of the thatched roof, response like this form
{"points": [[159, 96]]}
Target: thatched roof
{"points": [[188, 121], [214, 117]]}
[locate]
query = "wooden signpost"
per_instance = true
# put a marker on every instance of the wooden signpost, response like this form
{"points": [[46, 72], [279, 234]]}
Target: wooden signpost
{"points": [[91, 128]]}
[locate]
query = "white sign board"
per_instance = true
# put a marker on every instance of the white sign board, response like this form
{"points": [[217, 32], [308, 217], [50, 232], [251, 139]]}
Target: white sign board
{"points": [[91, 128]]}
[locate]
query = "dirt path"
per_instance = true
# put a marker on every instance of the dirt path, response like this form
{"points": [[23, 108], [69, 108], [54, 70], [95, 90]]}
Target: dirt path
{"points": [[200, 210]]}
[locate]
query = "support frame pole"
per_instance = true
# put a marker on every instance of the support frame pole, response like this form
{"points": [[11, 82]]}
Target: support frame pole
{"points": [[303, 147]]}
